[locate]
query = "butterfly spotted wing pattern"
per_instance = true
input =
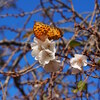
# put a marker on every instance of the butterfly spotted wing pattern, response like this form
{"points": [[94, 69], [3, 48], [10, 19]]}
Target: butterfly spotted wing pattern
{"points": [[40, 30], [43, 31], [54, 33]]}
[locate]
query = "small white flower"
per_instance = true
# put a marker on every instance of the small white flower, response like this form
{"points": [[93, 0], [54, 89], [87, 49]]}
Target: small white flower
{"points": [[78, 61], [44, 52], [49, 45], [45, 56], [52, 66]]}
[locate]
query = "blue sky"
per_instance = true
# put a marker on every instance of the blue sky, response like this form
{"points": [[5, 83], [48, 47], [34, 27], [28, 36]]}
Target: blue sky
{"points": [[28, 5]]}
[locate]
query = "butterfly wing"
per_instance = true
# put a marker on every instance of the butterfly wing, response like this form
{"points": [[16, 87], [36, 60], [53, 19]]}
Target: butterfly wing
{"points": [[41, 30], [54, 33]]}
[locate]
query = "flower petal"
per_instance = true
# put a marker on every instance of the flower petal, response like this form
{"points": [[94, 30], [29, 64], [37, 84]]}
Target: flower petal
{"points": [[37, 41], [76, 65], [49, 45], [73, 60], [35, 51], [75, 71], [45, 56], [78, 56], [85, 63], [78, 61], [32, 45], [52, 66]]}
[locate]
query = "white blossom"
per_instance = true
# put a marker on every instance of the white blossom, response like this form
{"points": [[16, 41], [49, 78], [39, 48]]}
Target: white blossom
{"points": [[36, 47], [45, 56], [47, 44], [43, 51], [52, 66], [78, 62]]}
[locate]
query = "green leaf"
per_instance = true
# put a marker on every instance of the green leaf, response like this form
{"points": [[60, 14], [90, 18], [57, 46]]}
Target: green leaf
{"points": [[98, 61], [74, 43], [81, 85], [75, 90]]}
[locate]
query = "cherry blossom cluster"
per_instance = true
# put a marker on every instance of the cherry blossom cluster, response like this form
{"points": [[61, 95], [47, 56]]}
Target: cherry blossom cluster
{"points": [[44, 52]]}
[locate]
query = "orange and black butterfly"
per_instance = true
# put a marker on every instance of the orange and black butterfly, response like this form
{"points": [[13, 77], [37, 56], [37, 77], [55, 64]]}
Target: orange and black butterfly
{"points": [[43, 31]]}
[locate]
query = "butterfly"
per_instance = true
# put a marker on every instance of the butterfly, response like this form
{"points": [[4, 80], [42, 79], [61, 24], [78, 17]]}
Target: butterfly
{"points": [[43, 31]]}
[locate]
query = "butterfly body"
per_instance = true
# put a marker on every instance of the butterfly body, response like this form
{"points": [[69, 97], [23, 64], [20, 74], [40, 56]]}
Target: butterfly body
{"points": [[43, 31]]}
